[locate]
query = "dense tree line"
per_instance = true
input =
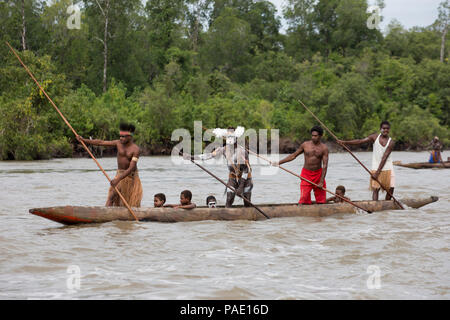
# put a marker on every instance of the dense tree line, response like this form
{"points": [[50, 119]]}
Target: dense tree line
{"points": [[164, 63]]}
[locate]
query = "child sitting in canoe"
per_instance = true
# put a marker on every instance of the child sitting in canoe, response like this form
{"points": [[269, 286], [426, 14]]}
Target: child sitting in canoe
{"points": [[211, 202], [340, 191], [185, 201], [159, 200]]}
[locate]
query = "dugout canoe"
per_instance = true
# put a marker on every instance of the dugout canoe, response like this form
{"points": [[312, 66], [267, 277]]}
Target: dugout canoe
{"points": [[423, 165], [70, 215]]}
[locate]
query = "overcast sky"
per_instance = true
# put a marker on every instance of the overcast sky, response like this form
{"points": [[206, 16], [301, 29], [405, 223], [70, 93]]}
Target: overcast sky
{"points": [[410, 13]]}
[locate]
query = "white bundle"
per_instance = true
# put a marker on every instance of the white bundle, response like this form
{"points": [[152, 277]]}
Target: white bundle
{"points": [[219, 133], [239, 132]]}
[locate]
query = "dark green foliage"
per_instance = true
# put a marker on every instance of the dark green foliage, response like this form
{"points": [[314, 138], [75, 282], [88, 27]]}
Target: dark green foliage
{"points": [[224, 62]]}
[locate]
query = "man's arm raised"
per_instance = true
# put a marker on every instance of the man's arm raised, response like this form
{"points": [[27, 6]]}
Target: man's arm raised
{"points": [[97, 142], [357, 142], [290, 157], [205, 156]]}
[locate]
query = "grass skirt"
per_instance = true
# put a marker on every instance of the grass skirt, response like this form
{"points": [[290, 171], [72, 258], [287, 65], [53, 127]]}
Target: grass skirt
{"points": [[131, 189]]}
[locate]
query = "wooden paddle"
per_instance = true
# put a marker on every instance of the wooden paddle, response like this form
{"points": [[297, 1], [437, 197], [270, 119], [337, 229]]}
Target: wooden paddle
{"points": [[74, 132], [221, 181], [346, 148], [304, 179]]}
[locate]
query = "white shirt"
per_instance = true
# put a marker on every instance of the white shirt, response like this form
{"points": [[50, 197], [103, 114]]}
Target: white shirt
{"points": [[378, 153]]}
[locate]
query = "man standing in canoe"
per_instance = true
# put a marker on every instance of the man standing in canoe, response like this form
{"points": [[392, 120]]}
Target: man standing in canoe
{"points": [[382, 166], [127, 179], [314, 169], [240, 171]]}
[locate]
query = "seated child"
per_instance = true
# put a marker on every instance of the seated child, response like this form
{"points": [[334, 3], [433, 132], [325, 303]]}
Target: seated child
{"points": [[340, 191], [185, 201], [211, 202], [159, 200]]}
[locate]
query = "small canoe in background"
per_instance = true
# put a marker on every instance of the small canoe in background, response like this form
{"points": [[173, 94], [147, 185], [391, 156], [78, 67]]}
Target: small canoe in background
{"points": [[424, 165], [78, 215]]}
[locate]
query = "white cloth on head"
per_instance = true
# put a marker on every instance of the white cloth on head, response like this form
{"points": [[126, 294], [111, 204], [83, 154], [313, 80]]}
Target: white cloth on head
{"points": [[219, 133], [378, 153]]}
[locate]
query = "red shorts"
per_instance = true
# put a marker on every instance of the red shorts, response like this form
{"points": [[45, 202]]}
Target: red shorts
{"points": [[306, 187]]}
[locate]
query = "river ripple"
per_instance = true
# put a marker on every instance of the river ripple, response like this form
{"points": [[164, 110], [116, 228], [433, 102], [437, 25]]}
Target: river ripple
{"points": [[287, 258]]}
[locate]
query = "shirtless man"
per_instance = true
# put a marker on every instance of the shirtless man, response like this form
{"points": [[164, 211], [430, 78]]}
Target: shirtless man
{"points": [[382, 166], [127, 179], [314, 169]]}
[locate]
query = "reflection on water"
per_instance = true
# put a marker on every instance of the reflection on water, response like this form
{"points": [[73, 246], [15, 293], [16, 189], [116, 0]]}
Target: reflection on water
{"points": [[286, 258]]}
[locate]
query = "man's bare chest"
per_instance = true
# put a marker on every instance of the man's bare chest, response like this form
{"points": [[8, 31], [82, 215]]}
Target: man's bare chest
{"points": [[125, 152], [313, 151]]}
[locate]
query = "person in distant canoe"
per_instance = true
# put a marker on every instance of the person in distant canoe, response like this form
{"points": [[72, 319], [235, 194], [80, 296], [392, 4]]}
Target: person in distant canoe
{"points": [[185, 201], [239, 169], [127, 179], [340, 191], [382, 165], [435, 153], [314, 169], [159, 199]]}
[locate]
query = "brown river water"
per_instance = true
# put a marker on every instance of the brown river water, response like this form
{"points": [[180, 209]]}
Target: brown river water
{"points": [[385, 255]]}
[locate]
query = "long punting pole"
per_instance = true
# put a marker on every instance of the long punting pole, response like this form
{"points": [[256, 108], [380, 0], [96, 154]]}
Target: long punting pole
{"points": [[346, 148], [74, 132], [368, 211]]}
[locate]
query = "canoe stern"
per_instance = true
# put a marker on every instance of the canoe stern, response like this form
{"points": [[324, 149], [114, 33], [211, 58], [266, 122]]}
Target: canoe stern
{"points": [[418, 203]]}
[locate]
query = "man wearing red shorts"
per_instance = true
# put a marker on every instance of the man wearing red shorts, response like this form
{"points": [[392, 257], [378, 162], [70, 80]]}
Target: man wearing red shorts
{"points": [[314, 169]]}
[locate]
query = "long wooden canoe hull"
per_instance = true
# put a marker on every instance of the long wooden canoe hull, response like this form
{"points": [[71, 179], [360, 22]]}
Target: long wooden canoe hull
{"points": [[424, 165], [70, 215]]}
